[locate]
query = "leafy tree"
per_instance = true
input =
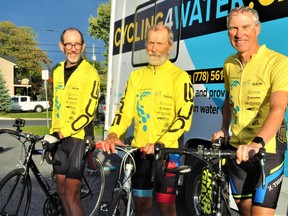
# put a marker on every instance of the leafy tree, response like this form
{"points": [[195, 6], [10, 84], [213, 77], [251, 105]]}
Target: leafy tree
{"points": [[20, 42], [5, 100], [100, 25], [102, 71], [99, 28]]}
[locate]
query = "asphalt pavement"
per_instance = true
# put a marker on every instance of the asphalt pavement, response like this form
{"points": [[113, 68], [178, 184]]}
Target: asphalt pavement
{"points": [[9, 158]]}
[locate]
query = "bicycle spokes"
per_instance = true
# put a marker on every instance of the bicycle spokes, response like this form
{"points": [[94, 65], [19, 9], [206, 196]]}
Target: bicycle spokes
{"points": [[15, 195]]}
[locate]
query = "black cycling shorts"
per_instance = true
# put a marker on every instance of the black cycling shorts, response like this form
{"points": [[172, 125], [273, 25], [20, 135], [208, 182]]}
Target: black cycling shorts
{"points": [[143, 186], [246, 182], [70, 153]]}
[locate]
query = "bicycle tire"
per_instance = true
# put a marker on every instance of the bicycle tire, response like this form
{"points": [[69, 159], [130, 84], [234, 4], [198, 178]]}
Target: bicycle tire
{"points": [[193, 189], [92, 190], [119, 203], [15, 193]]}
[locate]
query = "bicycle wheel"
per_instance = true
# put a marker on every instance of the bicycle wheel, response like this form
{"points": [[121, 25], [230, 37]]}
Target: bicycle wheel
{"points": [[15, 193], [92, 187], [193, 190], [119, 203]]}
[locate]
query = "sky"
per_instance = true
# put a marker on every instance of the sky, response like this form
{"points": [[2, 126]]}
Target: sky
{"points": [[48, 18]]}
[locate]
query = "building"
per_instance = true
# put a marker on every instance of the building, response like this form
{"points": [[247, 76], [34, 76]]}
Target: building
{"points": [[8, 69]]}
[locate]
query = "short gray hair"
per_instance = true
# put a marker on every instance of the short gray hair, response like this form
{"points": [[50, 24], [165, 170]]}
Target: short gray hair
{"points": [[243, 9], [160, 27]]}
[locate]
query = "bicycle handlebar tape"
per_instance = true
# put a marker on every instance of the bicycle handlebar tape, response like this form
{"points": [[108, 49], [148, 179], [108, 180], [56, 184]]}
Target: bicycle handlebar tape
{"points": [[50, 138]]}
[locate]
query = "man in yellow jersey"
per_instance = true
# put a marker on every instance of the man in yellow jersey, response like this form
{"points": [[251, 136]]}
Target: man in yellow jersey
{"points": [[75, 97], [256, 82], [160, 99]]}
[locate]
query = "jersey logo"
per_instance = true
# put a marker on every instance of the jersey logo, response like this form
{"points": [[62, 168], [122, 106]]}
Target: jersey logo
{"points": [[57, 104], [234, 83], [143, 116]]}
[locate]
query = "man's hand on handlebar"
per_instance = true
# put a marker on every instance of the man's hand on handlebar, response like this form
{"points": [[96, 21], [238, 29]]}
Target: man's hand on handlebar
{"points": [[50, 142], [108, 145], [247, 152], [147, 150], [220, 134]]}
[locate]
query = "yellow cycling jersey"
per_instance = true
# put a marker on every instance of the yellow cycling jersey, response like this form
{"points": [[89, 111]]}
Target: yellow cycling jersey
{"points": [[75, 102], [160, 99], [250, 89]]}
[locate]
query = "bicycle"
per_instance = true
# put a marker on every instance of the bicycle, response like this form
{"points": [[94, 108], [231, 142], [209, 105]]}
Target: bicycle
{"points": [[15, 187], [122, 202], [212, 185]]}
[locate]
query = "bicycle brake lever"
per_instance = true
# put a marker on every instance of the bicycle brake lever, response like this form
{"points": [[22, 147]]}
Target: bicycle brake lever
{"points": [[157, 156], [262, 159], [156, 151], [42, 157], [43, 152]]}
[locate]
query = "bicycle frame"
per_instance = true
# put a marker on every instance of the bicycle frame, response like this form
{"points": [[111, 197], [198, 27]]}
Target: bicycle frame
{"points": [[129, 167], [124, 179], [30, 164], [210, 203]]}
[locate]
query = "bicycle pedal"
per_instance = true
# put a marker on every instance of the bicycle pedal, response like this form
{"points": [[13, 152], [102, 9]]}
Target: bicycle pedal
{"points": [[103, 209], [84, 190]]}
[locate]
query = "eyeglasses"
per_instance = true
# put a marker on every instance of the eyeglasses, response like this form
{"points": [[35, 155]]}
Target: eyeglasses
{"points": [[69, 46]]}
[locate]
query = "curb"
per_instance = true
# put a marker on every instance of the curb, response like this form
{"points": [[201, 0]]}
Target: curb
{"points": [[3, 118]]}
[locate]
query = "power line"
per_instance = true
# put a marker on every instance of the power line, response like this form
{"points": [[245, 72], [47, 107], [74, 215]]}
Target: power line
{"points": [[103, 48], [58, 51], [48, 30]]}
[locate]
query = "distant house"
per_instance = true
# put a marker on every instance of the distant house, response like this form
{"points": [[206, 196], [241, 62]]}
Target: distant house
{"points": [[8, 69]]}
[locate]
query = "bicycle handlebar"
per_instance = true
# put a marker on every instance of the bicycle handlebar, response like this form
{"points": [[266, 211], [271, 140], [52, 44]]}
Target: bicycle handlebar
{"points": [[160, 151], [202, 153], [19, 135]]}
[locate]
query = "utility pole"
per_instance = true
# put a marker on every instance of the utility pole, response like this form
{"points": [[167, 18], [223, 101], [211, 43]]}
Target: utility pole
{"points": [[93, 55], [45, 77]]}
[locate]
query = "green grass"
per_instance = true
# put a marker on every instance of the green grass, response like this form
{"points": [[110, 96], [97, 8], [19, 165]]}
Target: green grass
{"points": [[39, 130], [25, 115], [42, 130]]}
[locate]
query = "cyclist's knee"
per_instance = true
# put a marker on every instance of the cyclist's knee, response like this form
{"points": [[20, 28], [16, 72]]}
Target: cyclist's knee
{"points": [[244, 206], [143, 205], [72, 188], [167, 209]]}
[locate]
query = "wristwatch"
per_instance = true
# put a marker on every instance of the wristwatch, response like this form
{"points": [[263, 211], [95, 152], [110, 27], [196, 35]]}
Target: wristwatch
{"points": [[259, 140]]}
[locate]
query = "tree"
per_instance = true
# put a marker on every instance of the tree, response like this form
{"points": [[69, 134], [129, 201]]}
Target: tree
{"points": [[20, 42], [99, 28], [102, 71], [5, 100]]}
